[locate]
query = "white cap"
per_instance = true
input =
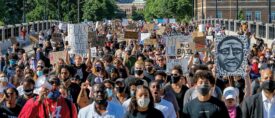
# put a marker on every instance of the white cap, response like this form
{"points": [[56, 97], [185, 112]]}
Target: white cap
{"points": [[230, 93]]}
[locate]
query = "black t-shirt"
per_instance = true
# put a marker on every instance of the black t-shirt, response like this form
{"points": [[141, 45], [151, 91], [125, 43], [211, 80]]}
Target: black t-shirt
{"points": [[22, 100], [213, 108], [73, 91], [131, 79], [151, 113], [179, 96], [81, 72], [10, 112], [150, 76]]}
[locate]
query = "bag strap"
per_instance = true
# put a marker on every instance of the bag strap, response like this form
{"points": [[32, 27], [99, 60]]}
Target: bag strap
{"points": [[69, 104]]}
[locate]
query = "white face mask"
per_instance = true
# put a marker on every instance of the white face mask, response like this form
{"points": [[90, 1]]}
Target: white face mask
{"points": [[143, 102], [4, 79]]}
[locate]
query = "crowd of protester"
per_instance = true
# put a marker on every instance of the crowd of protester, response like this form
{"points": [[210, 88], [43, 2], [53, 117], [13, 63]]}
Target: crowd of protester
{"points": [[130, 80]]}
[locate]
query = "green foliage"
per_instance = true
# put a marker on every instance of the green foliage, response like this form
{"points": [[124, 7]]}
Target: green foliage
{"points": [[179, 9], [96, 10], [241, 15], [137, 15]]}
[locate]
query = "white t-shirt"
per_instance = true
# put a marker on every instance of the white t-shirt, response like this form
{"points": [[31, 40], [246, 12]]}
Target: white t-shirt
{"points": [[166, 108], [126, 104], [112, 111]]}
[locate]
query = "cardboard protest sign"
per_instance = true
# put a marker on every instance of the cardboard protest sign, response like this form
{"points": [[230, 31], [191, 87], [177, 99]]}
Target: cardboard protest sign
{"points": [[178, 45], [231, 55], [62, 26], [57, 37], [100, 41], [150, 42], [148, 27], [92, 36], [55, 56], [177, 62], [161, 30], [13, 40], [34, 38], [131, 35], [199, 40], [78, 38]]}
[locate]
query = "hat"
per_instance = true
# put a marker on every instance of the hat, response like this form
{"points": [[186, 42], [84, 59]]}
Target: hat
{"points": [[230, 93], [119, 80]]}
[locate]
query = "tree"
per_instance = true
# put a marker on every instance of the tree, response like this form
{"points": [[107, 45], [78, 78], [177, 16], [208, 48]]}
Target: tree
{"points": [[241, 15], [97, 10], [137, 15], [179, 9]]}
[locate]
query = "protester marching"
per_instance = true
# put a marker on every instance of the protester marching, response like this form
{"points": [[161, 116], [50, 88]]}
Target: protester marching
{"points": [[137, 69]]}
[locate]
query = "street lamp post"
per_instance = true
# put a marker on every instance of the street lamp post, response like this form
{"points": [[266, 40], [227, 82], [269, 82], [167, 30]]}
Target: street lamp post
{"points": [[78, 11], [269, 11], [24, 17], [202, 12], [216, 8], [237, 10]]}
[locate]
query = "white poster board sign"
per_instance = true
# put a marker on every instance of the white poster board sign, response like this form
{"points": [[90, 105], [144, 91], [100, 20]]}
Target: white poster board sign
{"points": [[183, 62], [178, 45], [78, 38], [93, 52], [231, 55]]}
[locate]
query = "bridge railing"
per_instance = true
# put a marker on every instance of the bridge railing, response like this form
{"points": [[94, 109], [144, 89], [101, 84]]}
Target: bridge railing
{"points": [[263, 30]]}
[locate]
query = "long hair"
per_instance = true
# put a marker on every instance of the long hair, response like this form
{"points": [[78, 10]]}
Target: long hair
{"points": [[133, 108], [102, 66]]}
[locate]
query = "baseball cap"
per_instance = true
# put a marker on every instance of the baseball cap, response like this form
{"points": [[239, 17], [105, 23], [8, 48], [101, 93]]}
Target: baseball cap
{"points": [[119, 80], [230, 93]]}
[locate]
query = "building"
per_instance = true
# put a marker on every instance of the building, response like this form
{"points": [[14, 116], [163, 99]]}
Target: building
{"points": [[253, 10], [128, 6]]}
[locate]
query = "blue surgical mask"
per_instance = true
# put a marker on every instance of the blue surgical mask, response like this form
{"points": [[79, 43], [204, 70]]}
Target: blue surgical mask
{"points": [[196, 60], [54, 95], [12, 62], [109, 92], [132, 93], [39, 73]]}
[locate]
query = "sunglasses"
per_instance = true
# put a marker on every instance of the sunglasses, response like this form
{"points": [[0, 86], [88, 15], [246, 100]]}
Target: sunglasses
{"points": [[54, 82]]}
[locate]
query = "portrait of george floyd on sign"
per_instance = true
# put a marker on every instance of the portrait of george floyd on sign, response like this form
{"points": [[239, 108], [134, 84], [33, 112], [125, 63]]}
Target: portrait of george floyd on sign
{"points": [[231, 54]]}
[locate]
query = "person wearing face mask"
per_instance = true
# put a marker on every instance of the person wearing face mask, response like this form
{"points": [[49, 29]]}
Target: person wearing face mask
{"points": [[149, 69], [142, 105], [49, 103], [98, 73], [139, 69], [4, 83], [120, 91], [176, 87], [261, 105], [9, 69], [161, 104], [28, 87], [205, 106], [10, 108], [230, 96], [101, 107]]}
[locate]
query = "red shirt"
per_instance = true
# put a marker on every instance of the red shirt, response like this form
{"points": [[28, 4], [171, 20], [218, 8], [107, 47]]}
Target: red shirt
{"points": [[59, 109]]}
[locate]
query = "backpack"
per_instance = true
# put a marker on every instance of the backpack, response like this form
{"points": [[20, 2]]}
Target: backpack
{"points": [[68, 102]]}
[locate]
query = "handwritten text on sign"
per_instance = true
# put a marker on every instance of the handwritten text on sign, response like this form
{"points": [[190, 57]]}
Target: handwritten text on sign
{"points": [[178, 45], [78, 38]]}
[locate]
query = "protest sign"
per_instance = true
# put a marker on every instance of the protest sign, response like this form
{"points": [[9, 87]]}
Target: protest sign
{"points": [[131, 35], [177, 62], [55, 56], [57, 37], [178, 45], [92, 36], [100, 41], [34, 38], [62, 26], [124, 22], [199, 40], [93, 52], [172, 20], [148, 27], [13, 40], [78, 38], [161, 30], [231, 55]]}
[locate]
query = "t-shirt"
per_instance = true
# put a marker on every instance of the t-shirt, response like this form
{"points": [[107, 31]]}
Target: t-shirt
{"points": [[179, 96], [9, 112], [73, 91], [81, 72], [166, 108], [213, 108], [150, 113]]}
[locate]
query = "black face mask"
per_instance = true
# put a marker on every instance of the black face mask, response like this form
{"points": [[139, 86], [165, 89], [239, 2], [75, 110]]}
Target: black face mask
{"points": [[175, 79], [97, 69], [139, 72], [268, 85], [101, 102], [204, 89], [120, 89]]}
